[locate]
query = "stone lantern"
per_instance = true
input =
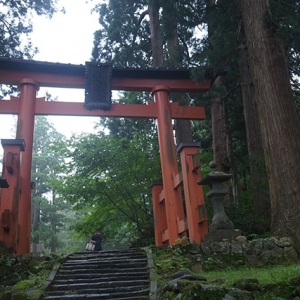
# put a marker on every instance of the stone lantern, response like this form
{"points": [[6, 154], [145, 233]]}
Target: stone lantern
{"points": [[221, 227]]}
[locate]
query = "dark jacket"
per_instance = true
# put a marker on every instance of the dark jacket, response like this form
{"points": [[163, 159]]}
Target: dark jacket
{"points": [[97, 238]]}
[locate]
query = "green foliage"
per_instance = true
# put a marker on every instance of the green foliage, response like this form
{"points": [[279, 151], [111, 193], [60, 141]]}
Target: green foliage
{"points": [[170, 259], [108, 182], [121, 23], [267, 275], [24, 277], [127, 127], [48, 210], [276, 282], [6, 261], [69, 240], [36, 280], [270, 296], [241, 213], [125, 37]]}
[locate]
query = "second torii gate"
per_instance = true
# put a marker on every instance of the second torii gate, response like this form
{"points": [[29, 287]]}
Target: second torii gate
{"points": [[30, 75]]}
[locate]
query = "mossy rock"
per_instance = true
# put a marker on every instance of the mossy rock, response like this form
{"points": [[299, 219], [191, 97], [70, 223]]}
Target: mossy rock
{"points": [[11, 294], [217, 261], [248, 284], [197, 291], [282, 289], [194, 290]]}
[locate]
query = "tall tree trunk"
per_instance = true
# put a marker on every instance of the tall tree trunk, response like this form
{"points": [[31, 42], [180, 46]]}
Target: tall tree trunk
{"points": [[261, 195], [53, 222], [220, 138], [279, 123], [183, 128], [219, 129], [156, 37], [218, 116], [35, 221]]}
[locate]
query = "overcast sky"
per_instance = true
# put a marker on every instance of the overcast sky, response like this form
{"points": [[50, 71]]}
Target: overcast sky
{"points": [[66, 38]]}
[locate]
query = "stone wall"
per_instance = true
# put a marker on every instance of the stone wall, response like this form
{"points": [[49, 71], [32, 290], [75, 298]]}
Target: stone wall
{"points": [[241, 252]]}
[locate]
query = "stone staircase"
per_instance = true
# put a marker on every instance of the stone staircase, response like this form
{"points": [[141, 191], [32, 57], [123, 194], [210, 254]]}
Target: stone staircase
{"points": [[117, 274]]}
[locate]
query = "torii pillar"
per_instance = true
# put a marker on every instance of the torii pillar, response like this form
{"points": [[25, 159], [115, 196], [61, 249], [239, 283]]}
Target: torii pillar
{"points": [[10, 196], [25, 129], [168, 160]]}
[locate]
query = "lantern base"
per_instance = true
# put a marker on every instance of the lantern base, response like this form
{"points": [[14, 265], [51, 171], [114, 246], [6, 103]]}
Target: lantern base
{"points": [[219, 235]]}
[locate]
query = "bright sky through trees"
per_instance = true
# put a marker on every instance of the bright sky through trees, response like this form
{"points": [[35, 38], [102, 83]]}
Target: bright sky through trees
{"points": [[66, 38]]}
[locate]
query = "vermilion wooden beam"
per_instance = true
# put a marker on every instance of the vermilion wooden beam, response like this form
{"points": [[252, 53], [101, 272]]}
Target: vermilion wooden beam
{"points": [[179, 85], [12, 77], [169, 167], [194, 199], [43, 107], [10, 197], [159, 211], [25, 128], [121, 84], [73, 76]]}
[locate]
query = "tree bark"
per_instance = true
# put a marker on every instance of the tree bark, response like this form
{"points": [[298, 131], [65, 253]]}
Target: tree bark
{"points": [[53, 221], [35, 221], [219, 129], [261, 195], [218, 111], [183, 128], [156, 40], [279, 123]]}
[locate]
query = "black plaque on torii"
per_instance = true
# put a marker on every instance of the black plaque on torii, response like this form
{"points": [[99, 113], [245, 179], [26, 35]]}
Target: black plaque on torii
{"points": [[98, 86]]}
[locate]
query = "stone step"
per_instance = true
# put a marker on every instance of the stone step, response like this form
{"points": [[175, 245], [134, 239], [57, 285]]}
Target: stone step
{"points": [[98, 285], [118, 274], [119, 253], [102, 256], [101, 270], [91, 260], [103, 276], [128, 265], [105, 259], [110, 252], [119, 291], [132, 295]]}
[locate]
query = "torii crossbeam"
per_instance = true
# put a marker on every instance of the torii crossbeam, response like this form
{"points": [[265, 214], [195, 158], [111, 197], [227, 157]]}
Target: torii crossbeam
{"points": [[30, 75]]}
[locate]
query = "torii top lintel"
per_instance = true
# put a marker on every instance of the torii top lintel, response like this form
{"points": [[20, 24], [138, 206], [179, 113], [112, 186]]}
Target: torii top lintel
{"points": [[73, 76], [13, 71]]}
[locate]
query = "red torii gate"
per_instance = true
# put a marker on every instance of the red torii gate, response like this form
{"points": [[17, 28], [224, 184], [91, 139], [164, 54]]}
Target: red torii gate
{"points": [[15, 200]]}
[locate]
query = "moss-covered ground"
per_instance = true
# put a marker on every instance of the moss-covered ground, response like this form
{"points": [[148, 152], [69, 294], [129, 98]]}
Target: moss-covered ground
{"points": [[24, 277], [277, 282]]}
